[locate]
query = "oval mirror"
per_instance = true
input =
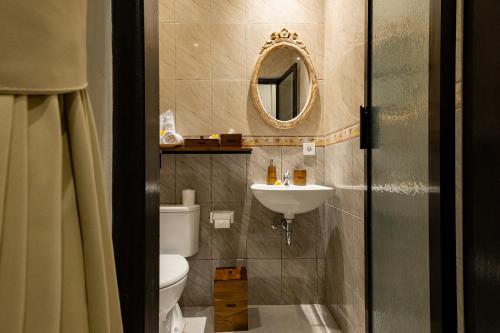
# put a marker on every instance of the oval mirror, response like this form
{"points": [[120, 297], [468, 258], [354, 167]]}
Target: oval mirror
{"points": [[284, 85]]}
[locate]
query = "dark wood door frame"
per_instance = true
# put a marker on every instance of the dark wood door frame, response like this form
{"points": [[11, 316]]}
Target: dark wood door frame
{"points": [[481, 165], [441, 140], [136, 161]]}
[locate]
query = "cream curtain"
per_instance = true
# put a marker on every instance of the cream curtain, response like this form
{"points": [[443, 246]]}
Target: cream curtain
{"points": [[56, 262], [57, 271]]}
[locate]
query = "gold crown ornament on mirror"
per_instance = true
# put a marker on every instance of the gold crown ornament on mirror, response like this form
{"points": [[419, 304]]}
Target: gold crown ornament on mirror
{"points": [[284, 87], [284, 36]]}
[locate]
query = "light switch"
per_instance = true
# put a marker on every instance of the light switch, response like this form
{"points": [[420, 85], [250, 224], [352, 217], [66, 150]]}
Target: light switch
{"points": [[309, 148]]}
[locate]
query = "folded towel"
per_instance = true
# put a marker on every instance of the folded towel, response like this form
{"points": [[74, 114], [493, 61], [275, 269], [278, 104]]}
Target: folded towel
{"points": [[172, 138], [167, 130]]}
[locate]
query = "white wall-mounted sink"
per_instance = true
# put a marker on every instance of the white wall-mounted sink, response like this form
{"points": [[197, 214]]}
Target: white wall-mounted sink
{"points": [[291, 199]]}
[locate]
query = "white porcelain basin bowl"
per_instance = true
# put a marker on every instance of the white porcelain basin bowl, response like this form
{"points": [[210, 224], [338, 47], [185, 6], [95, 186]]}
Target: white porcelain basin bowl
{"points": [[291, 199]]}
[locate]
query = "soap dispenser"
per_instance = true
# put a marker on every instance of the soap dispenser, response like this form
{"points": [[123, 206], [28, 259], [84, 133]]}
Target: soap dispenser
{"points": [[271, 173]]}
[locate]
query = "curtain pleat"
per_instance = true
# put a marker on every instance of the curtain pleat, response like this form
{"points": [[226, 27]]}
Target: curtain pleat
{"points": [[74, 315], [14, 186], [57, 271]]}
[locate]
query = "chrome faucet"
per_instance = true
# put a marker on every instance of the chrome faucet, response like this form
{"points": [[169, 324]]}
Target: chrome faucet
{"points": [[286, 178]]}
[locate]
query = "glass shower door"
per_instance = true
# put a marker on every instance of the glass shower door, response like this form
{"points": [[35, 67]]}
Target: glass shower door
{"points": [[400, 287]]}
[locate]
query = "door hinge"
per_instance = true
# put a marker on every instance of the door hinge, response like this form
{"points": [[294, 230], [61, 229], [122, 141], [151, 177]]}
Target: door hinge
{"points": [[364, 124]]}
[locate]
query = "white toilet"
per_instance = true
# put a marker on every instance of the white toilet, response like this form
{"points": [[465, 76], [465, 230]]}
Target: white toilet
{"points": [[179, 233]]}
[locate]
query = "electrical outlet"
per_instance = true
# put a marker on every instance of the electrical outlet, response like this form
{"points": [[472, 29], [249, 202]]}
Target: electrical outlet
{"points": [[309, 148]]}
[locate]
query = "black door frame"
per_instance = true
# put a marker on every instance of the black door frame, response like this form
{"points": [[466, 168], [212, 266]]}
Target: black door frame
{"points": [[136, 161], [442, 213], [442, 246], [481, 165]]}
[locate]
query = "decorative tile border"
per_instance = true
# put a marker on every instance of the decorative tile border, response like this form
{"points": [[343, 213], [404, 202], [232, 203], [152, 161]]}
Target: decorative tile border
{"points": [[258, 141], [345, 134]]}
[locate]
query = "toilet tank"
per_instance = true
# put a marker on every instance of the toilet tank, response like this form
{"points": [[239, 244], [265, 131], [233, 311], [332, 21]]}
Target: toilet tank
{"points": [[179, 229]]}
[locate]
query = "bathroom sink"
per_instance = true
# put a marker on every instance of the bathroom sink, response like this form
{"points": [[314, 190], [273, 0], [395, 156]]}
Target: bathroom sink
{"points": [[291, 199]]}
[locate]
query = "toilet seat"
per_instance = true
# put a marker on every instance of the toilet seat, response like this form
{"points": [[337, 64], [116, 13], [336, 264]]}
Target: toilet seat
{"points": [[173, 268]]}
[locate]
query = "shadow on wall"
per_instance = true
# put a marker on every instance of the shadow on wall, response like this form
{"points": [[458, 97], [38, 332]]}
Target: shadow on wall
{"points": [[335, 273]]}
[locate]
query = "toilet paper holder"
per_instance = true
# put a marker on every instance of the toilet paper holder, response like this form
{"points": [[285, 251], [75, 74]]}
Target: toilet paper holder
{"points": [[220, 215]]}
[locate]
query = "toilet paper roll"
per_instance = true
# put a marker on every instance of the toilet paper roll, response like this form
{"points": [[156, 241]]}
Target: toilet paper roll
{"points": [[222, 224], [188, 197]]}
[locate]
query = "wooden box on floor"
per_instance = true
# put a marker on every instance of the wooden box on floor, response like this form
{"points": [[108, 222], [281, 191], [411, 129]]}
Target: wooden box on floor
{"points": [[230, 299]]}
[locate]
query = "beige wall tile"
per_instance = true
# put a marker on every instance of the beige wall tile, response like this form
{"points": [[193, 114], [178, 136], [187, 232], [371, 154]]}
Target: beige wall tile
{"points": [[358, 319], [262, 11], [308, 126], [167, 95], [228, 51], [343, 63], [340, 112], [230, 243], [192, 59], [346, 309], [291, 11], [321, 274], [264, 281], [167, 179], [229, 11], [309, 34], [338, 172], [324, 231], [198, 291], [307, 11], [262, 240], [192, 104], [256, 36], [344, 226], [292, 158], [299, 283], [358, 282], [320, 52], [193, 172], [166, 11], [356, 199], [320, 165], [321, 116], [304, 237], [191, 11], [167, 51], [257, 164], [228, 178], [229, 106]]}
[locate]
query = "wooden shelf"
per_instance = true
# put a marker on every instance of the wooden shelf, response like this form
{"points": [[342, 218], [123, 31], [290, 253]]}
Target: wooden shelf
{"points": [[206, 150]]}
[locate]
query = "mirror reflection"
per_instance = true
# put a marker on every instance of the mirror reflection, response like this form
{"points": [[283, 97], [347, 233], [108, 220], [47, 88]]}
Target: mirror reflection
{"points": [[283, 83]]}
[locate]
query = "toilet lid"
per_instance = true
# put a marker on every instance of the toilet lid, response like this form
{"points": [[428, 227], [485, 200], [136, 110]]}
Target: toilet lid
{"points": [[173, 268]]}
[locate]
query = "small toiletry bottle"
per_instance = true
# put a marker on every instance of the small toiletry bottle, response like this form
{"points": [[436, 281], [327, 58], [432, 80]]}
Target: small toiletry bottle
{"points": [[271, 173]]}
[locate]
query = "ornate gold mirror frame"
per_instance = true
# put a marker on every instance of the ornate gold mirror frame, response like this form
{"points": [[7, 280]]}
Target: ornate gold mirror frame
{"points": [[284, 38]]}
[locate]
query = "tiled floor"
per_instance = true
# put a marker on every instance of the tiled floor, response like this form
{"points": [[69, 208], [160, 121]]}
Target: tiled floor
{"points": [[308, 318]]}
